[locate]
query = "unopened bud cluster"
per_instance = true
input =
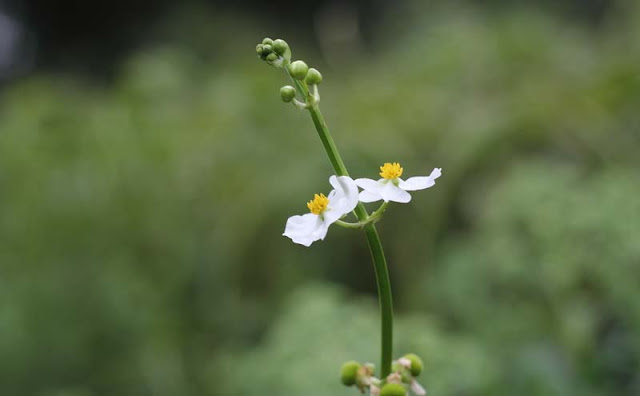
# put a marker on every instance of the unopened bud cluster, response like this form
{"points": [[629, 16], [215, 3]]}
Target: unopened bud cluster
{"points": [[274, 52], [401, 380], [278, 53]]}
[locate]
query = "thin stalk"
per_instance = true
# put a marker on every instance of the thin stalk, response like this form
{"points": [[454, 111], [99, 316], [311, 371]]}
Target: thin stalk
{"points": [[354, 226], [384, 297], [373, 217], [375, 246]]}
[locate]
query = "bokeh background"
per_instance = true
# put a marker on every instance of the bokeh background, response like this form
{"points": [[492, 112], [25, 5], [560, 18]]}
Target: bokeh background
{"points": [[147, 168]]}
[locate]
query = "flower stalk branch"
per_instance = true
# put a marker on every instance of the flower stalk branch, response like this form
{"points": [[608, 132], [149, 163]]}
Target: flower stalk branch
{"points": [[373, 218]]}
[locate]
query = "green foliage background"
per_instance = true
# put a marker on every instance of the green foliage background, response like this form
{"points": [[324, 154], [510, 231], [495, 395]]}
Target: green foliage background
{"points": [[140, 222]]}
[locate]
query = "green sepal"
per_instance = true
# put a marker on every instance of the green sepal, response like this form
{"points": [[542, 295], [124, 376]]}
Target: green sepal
{"points": [[298, 70], [313, 77], [287, 93], [349, 372], [271, 57], [416, 364], [281, 48], [393, 390]]}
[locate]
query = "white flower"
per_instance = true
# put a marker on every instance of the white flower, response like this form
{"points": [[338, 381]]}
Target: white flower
{"points": [[391, 187], [324, 210]]}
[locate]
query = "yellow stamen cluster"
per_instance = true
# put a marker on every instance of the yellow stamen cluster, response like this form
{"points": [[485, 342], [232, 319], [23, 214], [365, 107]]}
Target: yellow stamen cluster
{"points": [[391, 170], [318, 204]]}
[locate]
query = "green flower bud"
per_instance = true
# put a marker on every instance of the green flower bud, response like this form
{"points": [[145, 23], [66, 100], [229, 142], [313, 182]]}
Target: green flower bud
{"points": [[259, 49], [393, 390], [299, 70], [267, 48], [280, 46], [287, 93], [395, 367], [416, 363], [272, 57], [313, 77], [267, 40], [349, 371]]}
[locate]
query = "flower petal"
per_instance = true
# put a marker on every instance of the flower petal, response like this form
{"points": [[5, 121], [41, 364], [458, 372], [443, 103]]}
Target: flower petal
{"points": [[305, 229], [342, 200], [367, 196], [420, 182], [371, 185], [417, 388], [391, 192], [371, 189]]}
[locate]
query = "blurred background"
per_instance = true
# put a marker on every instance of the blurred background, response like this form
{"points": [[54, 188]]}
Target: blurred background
{"points": [[148, 166]]}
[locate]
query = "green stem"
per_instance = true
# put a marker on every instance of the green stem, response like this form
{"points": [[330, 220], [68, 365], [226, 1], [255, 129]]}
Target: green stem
{"points": [[384, 297], [375, 246], [327, 141]]}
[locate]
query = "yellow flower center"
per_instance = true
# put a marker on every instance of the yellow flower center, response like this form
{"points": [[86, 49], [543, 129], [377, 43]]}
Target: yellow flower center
{"points": [[391, 170], [318, 204]]}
